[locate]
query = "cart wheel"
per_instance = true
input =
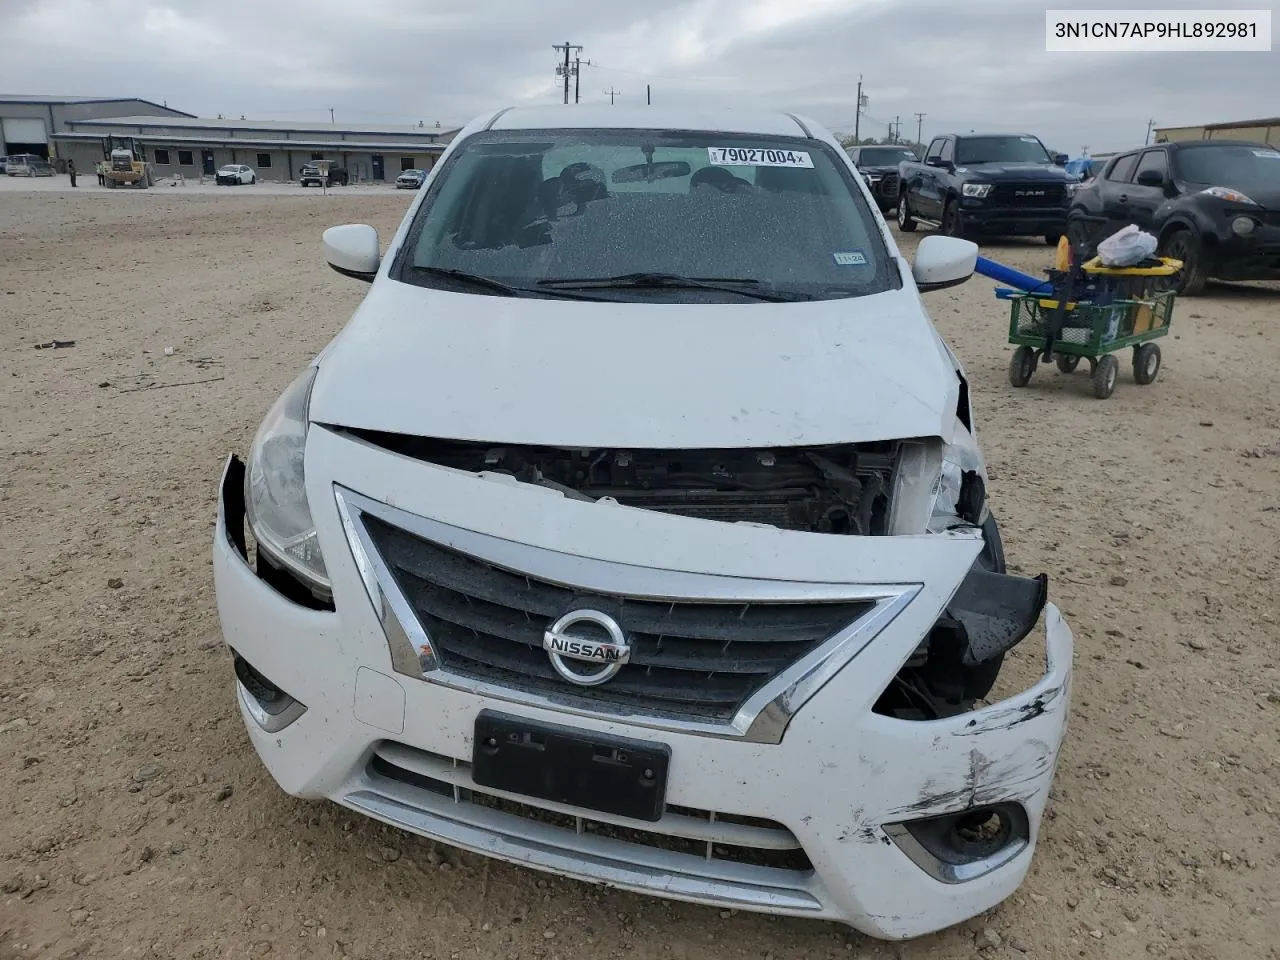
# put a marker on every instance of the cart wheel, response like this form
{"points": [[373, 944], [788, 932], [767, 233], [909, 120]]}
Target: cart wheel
{"points": [[1022, 367], [1146, 363], [1067, 362], [1104, 376]]}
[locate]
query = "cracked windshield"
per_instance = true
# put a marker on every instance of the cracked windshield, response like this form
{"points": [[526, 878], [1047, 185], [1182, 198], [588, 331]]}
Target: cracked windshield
{"points": [[634, 215]]}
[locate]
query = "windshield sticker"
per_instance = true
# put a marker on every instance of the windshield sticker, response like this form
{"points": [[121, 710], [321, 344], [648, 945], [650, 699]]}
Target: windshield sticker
{"points": [[1269, 154], [851, 258], [754, 157]]}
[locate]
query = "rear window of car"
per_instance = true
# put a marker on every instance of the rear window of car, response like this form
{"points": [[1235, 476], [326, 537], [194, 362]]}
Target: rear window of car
{"points": [[527, 206]]}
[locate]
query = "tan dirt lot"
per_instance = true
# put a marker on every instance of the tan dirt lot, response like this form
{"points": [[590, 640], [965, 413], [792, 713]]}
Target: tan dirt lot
{"points": [[137, 822]]}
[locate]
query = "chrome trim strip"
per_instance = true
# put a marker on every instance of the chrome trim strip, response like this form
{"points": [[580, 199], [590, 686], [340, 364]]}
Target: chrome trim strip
{"points": [[763, 718], [952, 872], [270, 722], [584, 856]]}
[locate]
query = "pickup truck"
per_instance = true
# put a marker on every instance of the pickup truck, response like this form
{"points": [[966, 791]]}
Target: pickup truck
{"points": [[992, 184]]}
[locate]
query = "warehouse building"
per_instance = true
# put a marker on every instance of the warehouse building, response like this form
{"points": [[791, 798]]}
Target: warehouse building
{"points": [[29, 123], [195, 147], [1256, 131]]}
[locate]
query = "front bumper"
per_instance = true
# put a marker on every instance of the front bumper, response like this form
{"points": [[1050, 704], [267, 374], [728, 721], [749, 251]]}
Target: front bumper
{"points": [[1012, 221], [1255, 257], [397, 748]]}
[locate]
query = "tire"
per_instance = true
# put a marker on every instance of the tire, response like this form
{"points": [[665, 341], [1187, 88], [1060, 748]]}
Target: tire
{"points": [[1022, 367], [1067, 362], [1185, 245], [1146, 363], [951, 225], [905, 223], [253, 179], [1104, 376], [1051, 239]]}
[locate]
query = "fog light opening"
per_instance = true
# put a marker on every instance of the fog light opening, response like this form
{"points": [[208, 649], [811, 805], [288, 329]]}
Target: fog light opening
{"points": [[1243, 226], [957, 847], [271, 708]]}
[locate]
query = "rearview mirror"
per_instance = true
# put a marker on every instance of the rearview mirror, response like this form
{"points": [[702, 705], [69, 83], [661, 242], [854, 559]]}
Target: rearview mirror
{"points": [[943, 262], [352, 250], [644, 172], [1150, 178]]}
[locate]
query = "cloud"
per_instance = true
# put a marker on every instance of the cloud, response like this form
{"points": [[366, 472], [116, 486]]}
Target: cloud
{"points": [[977, 65]]}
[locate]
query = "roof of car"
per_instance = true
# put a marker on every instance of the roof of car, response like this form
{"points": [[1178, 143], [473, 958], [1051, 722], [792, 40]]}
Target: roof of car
{"points": [[1187, 144], [719, 119]]}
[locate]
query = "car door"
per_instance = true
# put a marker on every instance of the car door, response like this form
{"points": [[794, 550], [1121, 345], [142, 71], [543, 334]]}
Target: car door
{"points": [[927, 200], [1116, 188], [1148, 190]]}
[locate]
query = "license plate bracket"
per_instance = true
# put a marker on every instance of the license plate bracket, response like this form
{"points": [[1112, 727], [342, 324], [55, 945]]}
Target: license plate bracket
{"points": [[614, 775]]}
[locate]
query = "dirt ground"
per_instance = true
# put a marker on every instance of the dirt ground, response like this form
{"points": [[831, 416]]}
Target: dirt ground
{"points": [[137, 821]]}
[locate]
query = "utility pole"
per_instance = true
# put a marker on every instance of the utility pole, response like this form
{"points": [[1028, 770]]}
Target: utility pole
{"points": [[1150, 124], [897, 128], [331, 114], [919, 126], [613, 93], [862, 102], [889, 136], [648, 95], [577, 77], [564, 70]]}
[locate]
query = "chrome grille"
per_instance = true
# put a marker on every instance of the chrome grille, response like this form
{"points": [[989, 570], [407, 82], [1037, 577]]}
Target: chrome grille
{"points": [[689, 659]]}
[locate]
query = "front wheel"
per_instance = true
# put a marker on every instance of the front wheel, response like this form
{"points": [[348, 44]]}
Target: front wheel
{"points": [[1104, 376], [1022, 367], [1067, 362], [1051, 239], [1146, 363], [905, 223], [253, 180], [951, 225], [1185, 245]]}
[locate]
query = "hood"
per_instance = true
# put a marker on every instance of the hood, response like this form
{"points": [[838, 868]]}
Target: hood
{"points": [[880, 169], [567, 373], [996, 172]]}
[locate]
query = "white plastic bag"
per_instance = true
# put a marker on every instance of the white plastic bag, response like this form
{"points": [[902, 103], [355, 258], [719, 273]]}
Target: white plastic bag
{"points": [[1126, 246]]}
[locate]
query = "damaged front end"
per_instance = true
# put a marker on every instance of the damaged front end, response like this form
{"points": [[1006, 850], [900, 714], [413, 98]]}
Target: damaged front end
{"points": [[856, 489]]}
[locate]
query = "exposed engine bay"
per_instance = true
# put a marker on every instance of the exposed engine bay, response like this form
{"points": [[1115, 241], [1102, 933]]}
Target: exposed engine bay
{"points": [[837, 489]]}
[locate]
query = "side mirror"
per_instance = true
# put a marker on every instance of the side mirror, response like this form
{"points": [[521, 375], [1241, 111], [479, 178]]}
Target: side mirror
{"points": [[943, 262], [1060, 159], [935, 162], [352, 250], [1150, 178]]}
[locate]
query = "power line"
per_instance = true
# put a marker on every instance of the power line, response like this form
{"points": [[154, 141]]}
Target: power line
{"points": [[565, 70]]}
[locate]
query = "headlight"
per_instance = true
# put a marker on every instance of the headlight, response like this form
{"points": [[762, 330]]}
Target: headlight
{"points": [[960, 493], [275, 487], [975, 189], [1072, 188], [1226, 193]]}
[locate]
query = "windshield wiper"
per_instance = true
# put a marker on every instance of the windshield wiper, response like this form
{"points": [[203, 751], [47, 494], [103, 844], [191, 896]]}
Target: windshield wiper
{"points": [[489, 283], [743, 286]]}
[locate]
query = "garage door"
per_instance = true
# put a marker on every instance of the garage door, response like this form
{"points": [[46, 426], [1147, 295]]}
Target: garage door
{"points": [[24, 131]]}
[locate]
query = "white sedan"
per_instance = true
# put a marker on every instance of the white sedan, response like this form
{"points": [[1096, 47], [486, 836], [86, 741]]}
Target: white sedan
{"points": [[236, 173]]}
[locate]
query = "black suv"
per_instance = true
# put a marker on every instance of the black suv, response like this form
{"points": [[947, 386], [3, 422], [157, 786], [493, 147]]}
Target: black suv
{"points": [[879, 167], [312, 177], [1213, 204]]}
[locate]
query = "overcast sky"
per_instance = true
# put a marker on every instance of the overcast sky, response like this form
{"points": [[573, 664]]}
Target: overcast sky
{"points": [[976, 64]]}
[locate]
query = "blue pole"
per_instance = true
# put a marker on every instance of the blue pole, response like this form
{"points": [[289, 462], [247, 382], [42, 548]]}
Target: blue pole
{"points": [[1007, 275]]}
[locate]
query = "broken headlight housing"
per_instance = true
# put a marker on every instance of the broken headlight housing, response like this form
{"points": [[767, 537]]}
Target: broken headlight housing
{"points": [[275, 488], [960, 492]]}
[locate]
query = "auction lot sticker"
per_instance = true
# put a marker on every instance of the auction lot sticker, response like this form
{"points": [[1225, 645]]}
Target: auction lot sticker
{"points": [[755, 157]]}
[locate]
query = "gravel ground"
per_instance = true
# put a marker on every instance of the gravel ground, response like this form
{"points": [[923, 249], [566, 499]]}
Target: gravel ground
{"points": [[138, 822]]}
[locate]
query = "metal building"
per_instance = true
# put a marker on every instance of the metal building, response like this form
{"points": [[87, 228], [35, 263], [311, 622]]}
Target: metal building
{"points": [[276, 149], [29, 123], [1258, 131]]}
